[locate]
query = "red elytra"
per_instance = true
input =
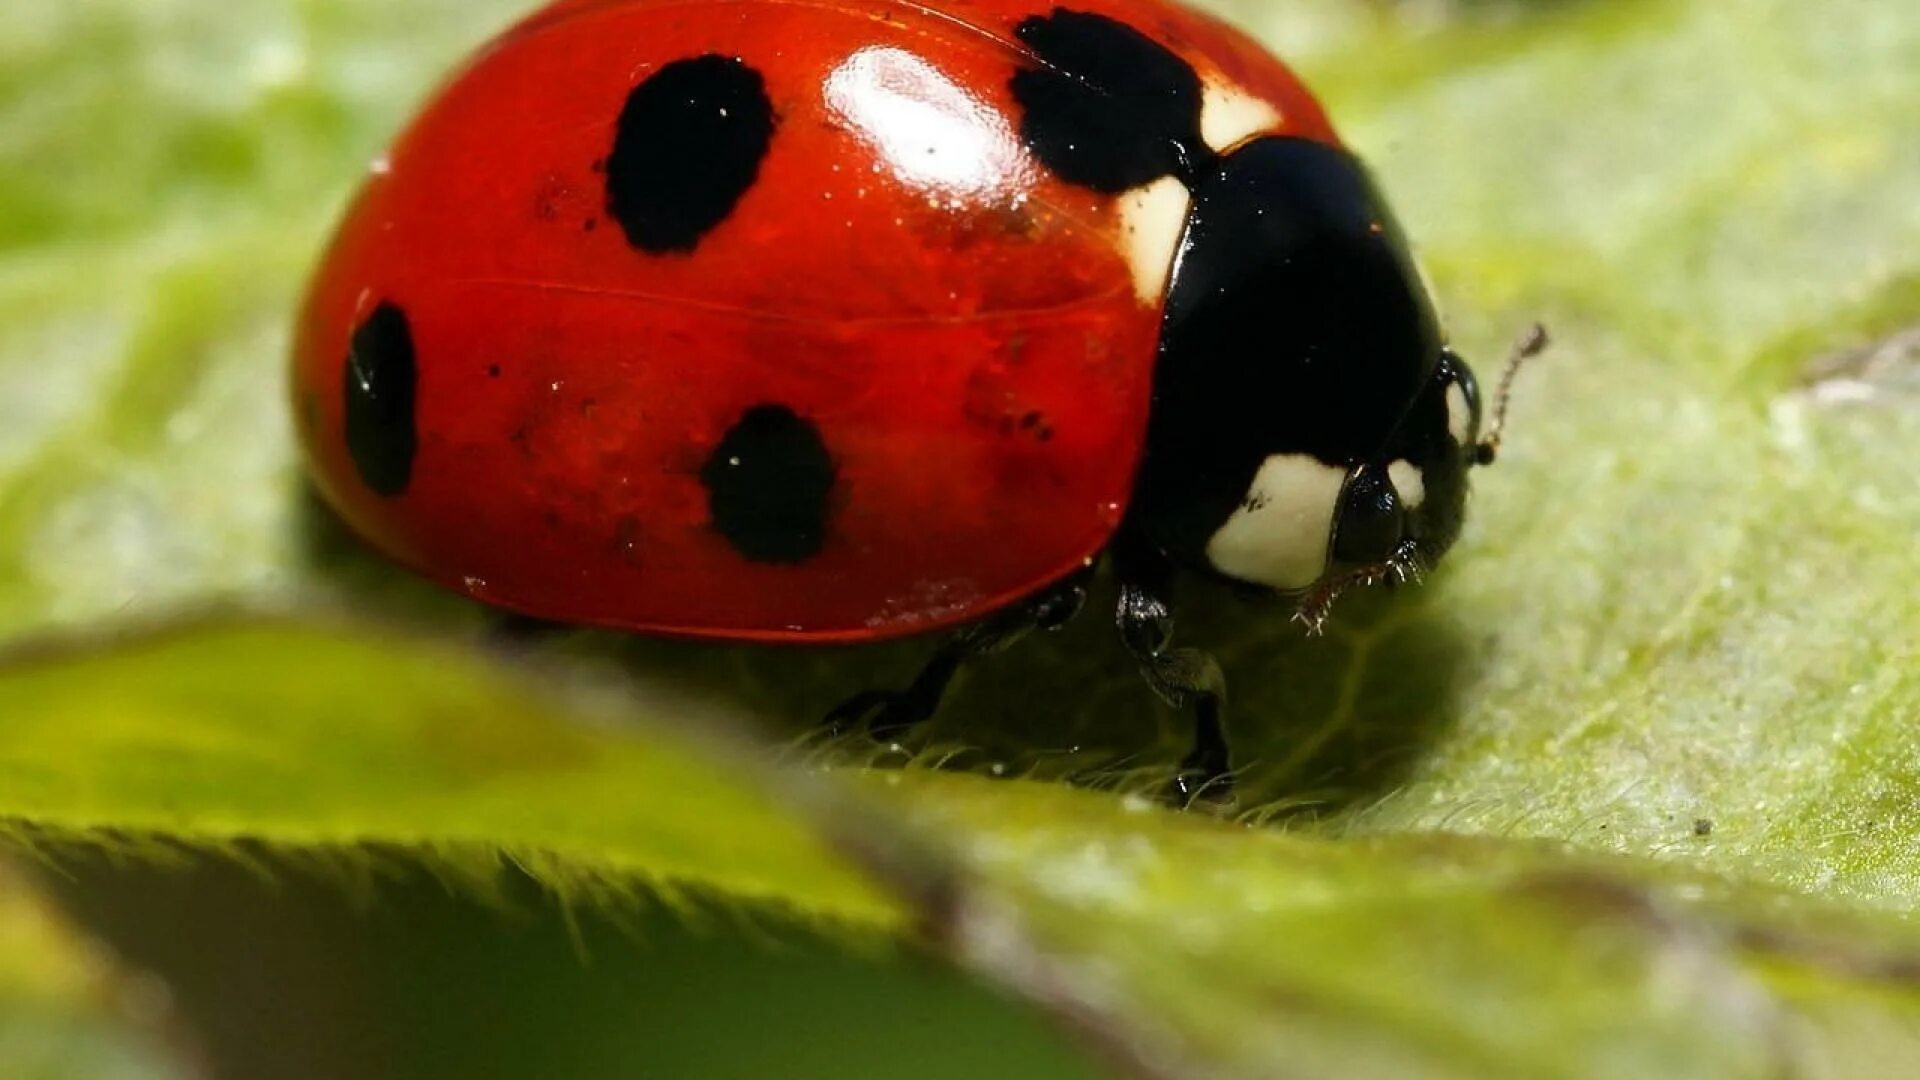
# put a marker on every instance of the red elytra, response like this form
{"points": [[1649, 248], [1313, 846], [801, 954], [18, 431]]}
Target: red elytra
{"points": [[964, 330]]}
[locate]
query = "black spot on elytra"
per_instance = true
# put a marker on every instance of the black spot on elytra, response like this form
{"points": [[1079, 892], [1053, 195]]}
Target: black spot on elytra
{"points": [[378, 381], [1108, 108], [687, 147], [767, 483]]}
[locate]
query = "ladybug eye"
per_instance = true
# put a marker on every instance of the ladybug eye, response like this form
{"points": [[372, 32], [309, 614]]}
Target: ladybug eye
{"points": [[1370, 523]]}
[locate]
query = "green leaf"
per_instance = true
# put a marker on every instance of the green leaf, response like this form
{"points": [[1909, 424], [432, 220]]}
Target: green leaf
{"points": [[1627, 789], [1175, 942], [297, 736]]}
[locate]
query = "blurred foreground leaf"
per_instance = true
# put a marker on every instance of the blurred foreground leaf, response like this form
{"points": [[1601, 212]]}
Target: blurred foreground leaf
{"points": [[1628, 790], [65, 1009], [1176, 943]]}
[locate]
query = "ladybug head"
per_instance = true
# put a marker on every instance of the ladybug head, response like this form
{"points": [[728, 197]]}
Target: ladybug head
{"points": [[1399, 512], [1311, 430]]}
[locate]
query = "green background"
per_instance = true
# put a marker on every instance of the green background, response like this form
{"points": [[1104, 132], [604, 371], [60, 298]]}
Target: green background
{"points": [[1626, 789]]}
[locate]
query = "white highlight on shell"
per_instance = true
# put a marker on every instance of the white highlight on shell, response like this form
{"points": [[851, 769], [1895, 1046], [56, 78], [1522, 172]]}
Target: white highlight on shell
{"points": [[1230, 116], [1280, 534], [1152, 220], [1459, 415], [930, 130], [1410, 482]]}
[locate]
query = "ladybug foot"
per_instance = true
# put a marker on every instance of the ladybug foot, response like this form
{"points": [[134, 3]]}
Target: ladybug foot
{"points": [[1205, 779], [1194, 787], [883, 714], [1185, 678], [888, 714]]}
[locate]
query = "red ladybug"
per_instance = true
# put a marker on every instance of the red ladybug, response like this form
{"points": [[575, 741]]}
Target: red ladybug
{"points": [[824, 322]]}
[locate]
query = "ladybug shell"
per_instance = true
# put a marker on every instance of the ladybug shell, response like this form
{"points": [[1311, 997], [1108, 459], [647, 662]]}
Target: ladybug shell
{"points": [[899, 380]]}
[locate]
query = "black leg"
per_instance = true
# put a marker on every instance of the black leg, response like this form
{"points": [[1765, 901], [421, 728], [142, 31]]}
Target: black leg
{"points": [[1184, 678], [510, 629], [887, 713]]}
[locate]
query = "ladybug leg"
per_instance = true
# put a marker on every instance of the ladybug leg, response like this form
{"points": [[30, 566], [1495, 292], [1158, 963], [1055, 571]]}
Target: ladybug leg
{"points": [[888, 713], [510, 629], [885, 714], [1185, 678]]}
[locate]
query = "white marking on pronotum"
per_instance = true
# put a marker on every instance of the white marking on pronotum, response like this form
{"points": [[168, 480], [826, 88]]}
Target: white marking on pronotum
{"points": [[1459, 415], [1280, 533], [1230, 116], [1410, 482], [1152, 219]]}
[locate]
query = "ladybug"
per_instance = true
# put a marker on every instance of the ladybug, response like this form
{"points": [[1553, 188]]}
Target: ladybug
{"points": [[823, 322]]}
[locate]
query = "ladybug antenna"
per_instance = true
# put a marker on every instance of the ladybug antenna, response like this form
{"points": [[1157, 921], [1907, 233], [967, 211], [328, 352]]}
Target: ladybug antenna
{"points": [[1531, 344]]}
